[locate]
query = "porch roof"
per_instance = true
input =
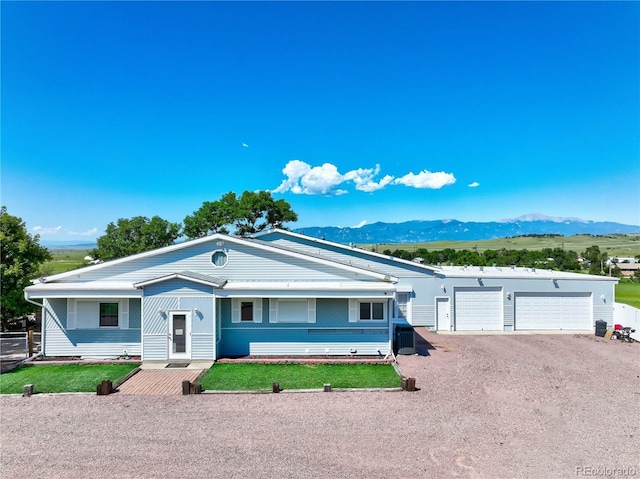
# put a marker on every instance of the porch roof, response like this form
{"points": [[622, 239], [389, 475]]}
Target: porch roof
{"points": [[186, 275], [93, 289]]}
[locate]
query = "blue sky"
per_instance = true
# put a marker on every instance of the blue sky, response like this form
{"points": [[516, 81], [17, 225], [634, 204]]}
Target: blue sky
{"points": [[352, 112]]}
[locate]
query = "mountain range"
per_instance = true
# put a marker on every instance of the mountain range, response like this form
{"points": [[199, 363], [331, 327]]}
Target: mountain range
{"points": [[445, 230]]}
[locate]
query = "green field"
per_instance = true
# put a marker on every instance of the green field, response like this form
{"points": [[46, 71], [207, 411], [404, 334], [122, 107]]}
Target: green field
{"points": [[619, 245], [65, 259], [628, 293]]}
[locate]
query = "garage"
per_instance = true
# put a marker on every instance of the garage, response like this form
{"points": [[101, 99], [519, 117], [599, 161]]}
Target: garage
{"points": [[553, 311], [478, 309]]}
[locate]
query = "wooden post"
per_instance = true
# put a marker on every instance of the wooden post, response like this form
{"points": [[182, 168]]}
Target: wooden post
{"points": [[30, 342], [27, 391], [327, 388], [276, 387], [186, 387], [411, 384], [104, 388]]}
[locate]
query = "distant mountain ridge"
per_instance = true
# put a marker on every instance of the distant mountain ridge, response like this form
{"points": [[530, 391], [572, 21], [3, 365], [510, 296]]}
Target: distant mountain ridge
{"points": [[418, 231]]}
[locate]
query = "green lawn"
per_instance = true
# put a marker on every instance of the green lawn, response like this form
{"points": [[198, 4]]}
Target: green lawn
{"points": [[237, 377], [64, 378], [628, 293]]}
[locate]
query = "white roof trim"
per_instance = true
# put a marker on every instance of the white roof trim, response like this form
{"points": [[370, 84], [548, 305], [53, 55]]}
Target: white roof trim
{"points": [[93, 289], [306, 289], [309, 286], [348, 248]]}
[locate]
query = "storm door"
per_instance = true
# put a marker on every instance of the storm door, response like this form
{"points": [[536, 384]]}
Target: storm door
{"points": [[180, 335]]}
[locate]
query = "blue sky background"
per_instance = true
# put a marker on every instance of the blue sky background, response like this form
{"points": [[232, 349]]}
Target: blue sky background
{"points": [[352, 112]]}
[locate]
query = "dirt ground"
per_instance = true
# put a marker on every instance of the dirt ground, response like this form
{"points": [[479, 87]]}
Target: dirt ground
{"points": [[488, 406]]}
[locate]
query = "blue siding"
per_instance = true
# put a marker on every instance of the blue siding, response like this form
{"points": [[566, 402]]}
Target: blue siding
{"points": [[91, 343], [178, 287], [135, 313], [331, 334]]}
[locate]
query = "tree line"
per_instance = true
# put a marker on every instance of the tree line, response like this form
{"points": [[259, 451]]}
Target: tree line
{"points": [[592, 259], [246, 214]]}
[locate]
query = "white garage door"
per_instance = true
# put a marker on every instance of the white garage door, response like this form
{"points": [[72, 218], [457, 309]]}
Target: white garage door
{"points": [[478, 309], [553, 311]]}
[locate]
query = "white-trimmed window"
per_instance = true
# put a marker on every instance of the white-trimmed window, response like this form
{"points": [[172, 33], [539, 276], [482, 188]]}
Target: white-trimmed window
{"points": [[292, 310], [109, 315], [367, 310], [246, 310], [219, 258], [96, 313]]}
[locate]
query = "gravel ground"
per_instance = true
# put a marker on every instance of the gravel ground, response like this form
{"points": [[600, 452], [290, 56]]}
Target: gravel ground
{"points": [[490, 406]]}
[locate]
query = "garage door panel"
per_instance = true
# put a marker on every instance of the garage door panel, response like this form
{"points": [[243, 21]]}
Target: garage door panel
{"points": [[553, 311], [478, 309]]}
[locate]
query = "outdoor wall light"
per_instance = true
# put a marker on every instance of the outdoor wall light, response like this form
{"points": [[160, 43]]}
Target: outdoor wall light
{"points": [[602, 297], [508, 295], [442, 287], [160, 312], [196, 312]]}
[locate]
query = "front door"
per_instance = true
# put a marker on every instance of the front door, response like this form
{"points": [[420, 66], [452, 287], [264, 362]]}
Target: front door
{"points": [[180, 335], [443, 321]]}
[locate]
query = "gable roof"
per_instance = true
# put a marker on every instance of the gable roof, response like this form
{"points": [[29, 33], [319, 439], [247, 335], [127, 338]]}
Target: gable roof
{"points": [[186, 275], [218, 237], [348, 248]]}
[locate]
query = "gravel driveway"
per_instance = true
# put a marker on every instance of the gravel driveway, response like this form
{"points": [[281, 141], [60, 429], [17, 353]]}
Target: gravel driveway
{"points": [[491, 406]]}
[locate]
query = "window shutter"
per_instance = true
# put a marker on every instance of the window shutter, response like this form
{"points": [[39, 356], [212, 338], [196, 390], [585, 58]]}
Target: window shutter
{"points": [[273, 310], [123, 321], [257, 310], [235, 310], [311, 302], [71, 314], [353, 310]]}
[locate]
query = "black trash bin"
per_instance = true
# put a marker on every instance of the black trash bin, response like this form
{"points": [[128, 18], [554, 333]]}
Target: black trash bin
{"points": [[404, 339], [601, 328]]}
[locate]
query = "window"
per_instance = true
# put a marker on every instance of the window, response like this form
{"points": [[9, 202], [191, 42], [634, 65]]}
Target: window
{"points": [[371, 311], [109, 314], [219, 258], [246, 311], [292, 310]]}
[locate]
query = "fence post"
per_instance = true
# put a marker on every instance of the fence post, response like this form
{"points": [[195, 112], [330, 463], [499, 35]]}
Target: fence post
{"points": [[30, 342]]}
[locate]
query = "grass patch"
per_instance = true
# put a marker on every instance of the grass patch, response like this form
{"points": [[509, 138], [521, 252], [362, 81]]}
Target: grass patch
{"points": [[62, 378], [255, 377], [628, 293]]}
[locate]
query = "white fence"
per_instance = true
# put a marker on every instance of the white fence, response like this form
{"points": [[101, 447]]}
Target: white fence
{"points": [[627, 316]]}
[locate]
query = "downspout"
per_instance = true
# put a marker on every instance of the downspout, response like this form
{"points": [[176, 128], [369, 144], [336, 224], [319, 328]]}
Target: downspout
{"points": [[42, 327]]}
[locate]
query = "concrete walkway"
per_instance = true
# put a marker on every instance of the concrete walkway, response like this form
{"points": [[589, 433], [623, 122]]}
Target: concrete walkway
{"points": [[154, 378]]}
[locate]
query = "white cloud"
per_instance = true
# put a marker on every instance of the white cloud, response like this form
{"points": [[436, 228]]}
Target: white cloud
{"points": [[91, 232], [364, 179], [302, 178], [426, 179], [475, 184], [245, 145], [361, 224], [49, 231], [44, 230]]}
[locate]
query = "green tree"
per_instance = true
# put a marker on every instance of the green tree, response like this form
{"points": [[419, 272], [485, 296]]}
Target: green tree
{"points": [[258, 210], [135, 235], [250, 213], [596, 259], [211, 217], [22, 256]]}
